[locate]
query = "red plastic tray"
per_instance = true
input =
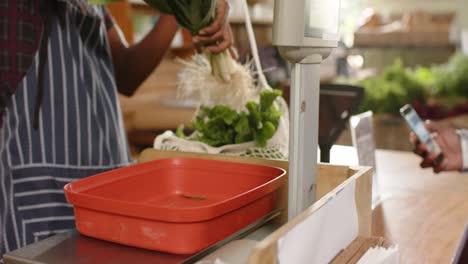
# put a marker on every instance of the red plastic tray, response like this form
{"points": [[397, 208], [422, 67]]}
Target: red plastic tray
{"points": [[177, 205]]}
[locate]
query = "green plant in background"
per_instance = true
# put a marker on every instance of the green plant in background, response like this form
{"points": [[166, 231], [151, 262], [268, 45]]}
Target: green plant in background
{"points": [[452, 78], [396, 85], [222, 125]]}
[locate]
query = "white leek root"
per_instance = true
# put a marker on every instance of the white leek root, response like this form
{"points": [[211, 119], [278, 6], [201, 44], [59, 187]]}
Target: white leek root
{"points": [[222, 65], [217, 80]]}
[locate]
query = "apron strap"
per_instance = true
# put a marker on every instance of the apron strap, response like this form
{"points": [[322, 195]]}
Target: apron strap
{"points": [[51, 9]]}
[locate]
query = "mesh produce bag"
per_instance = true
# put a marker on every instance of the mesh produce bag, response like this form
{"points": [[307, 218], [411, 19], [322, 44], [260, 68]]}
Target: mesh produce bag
{"points": [[277, 146]]}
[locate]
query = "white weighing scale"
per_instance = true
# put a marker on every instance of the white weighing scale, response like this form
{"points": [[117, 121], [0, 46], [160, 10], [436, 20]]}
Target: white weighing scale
{"points": [[305, 33]]}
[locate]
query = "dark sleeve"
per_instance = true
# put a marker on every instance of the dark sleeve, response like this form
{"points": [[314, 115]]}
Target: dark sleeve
{"points": [[108, 18], [17, 50]]}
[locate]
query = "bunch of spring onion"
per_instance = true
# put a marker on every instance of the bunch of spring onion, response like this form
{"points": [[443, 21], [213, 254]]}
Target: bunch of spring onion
{"points": [[214, 79]]}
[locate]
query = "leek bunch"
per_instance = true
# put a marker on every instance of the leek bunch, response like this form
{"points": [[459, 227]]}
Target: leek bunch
{"points": [[194, 15]]}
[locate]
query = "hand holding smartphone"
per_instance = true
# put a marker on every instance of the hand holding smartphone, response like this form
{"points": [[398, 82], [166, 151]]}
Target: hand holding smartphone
{"points": [[418, 127]]}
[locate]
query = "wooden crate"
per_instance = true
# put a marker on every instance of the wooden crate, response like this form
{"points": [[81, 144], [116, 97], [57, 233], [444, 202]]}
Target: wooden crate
{"points": [[330, 179]]}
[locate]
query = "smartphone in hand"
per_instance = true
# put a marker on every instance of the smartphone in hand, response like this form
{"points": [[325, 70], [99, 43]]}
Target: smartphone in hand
{"points": [[417, 126]]}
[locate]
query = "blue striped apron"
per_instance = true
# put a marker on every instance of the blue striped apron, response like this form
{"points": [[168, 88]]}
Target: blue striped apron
{"points": [[80, 130]]}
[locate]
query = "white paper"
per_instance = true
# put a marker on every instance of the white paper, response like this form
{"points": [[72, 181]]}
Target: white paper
{"points": [[323, 235], [235, 252], [380, 256], [362, 133], [464, 41]]}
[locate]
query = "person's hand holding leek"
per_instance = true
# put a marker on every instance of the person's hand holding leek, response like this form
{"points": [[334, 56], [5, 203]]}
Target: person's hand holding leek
{"points": [[207, 21], [216, 37]]}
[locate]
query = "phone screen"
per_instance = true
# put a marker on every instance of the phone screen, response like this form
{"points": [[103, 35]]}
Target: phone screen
{"points": [[417, 125]]}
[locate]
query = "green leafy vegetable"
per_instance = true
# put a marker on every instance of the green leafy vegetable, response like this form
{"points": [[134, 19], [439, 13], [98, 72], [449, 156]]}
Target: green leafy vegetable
{"points": [[255, 117], [221, 125], [267, 132], [242, 128], [180, 131], [227, 114], [267, 98]]}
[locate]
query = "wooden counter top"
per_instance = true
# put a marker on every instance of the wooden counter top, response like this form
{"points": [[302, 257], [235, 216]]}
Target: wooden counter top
{"points": [[425, 213], [422, 212]]}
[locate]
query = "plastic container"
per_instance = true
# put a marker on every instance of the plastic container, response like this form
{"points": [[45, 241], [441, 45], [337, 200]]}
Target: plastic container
{"points": [[177, 205]]}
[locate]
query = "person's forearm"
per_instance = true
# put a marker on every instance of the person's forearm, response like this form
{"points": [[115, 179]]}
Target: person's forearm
{"points": [[135, 63]]}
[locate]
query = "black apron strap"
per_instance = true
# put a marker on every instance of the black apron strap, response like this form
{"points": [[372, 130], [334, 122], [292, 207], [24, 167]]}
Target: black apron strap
{"points": [[51, 9]]}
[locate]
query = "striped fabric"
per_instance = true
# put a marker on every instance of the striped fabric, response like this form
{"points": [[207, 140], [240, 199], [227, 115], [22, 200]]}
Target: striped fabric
{"points": [[80, 131], [21, 28]]}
